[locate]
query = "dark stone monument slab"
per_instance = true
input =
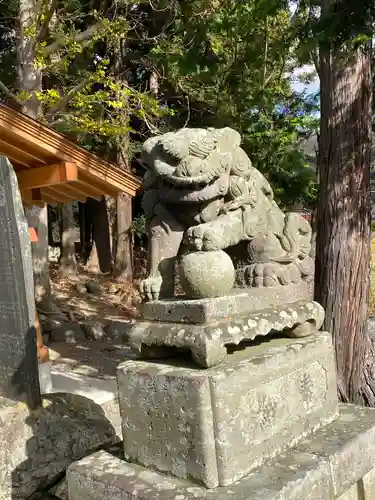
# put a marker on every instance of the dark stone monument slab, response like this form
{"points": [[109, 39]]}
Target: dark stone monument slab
{"points": [[18, 354]]}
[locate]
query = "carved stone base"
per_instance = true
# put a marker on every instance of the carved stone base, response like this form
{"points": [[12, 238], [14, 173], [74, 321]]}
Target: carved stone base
{"points": [[215, 425], [209, 342]]}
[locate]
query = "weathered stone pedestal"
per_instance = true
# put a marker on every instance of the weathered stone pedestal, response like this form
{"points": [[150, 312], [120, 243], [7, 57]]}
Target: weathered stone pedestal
{"points": [[261, 421], [214, 425]]}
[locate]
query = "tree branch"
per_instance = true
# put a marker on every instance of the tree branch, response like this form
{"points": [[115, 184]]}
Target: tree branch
{"points": [[79, 37], [45, 25], [61, 106], [12, 97], [316, 61]]}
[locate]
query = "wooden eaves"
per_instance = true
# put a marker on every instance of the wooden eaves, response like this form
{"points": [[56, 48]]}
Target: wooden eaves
{"points": [[52, 169]]}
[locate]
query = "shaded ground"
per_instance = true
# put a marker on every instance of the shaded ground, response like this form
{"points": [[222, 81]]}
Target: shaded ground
{"points": [[107, 298]]}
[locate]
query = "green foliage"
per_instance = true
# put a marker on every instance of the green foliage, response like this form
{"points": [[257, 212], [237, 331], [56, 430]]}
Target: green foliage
{"points": [[75, 49], [232, 63], [218, 63], [139, 227]]}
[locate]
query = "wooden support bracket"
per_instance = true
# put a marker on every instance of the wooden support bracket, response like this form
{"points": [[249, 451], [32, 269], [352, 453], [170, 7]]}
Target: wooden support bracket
{"points": [[49, 175]]}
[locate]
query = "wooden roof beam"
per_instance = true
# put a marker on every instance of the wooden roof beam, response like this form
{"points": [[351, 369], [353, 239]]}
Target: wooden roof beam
{"points": [[32, 144], [37, 197], [88, 190], [56, 194], [46, 176], [98, 185], [32, 197], [67, 190], [16, 152]]}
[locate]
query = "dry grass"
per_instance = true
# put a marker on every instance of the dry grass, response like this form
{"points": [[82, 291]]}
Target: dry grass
{"points": [[115, 300], [371, 309]]}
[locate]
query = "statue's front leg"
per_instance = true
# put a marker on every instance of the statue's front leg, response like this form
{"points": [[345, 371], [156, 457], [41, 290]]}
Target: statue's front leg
{"points": [[164, 240], [223, 232]]}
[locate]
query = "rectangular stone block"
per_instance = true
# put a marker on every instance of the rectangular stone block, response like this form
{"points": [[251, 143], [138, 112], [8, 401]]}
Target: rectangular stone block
{"points": [[351, 494], [239, 302], [308, 471], [368, 485], [19, 376], [349, 446], [215, 425], [294, 476]]}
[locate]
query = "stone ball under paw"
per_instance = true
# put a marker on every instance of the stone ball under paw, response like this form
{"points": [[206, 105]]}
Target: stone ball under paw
{"points": [[206, 274]]}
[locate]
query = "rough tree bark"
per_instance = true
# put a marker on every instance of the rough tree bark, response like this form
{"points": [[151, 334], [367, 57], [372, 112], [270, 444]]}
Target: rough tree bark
{"points": [[30, 81], [68, 262], [122, 227], [344, 215], [111, 204], [37, 217], [123, 267], [100, 258]]}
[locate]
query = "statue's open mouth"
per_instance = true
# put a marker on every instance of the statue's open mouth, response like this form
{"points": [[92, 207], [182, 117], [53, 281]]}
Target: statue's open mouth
{"points": [[169, 175], [197, 192]]}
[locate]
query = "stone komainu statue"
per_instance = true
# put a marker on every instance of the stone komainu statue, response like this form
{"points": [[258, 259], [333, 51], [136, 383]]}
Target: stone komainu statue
{"points": [[201, 193]]}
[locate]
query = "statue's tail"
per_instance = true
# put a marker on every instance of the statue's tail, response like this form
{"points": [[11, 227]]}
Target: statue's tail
{"points": [[288, 239]]}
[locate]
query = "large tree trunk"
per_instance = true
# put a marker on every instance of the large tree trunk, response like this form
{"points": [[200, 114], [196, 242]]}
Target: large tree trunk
{"points": [[68, 262], [343, 216]]}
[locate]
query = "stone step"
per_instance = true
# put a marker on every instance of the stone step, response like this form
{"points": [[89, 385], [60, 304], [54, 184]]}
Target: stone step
{"points": [[336, 462]]}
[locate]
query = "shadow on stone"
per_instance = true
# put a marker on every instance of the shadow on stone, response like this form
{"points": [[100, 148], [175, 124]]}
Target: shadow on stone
{"points": [[41, 444], [25, 380]]}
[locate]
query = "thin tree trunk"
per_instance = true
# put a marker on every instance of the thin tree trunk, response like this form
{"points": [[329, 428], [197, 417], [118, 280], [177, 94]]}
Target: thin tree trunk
{"points": [[29, 82], [82, 231], [123, 242], [111, 204], [154, 83], [37, 218], [100, 258], [343, 216], [68, 262], [123, 268], [29, 73], [85, 228], [50, 232]]}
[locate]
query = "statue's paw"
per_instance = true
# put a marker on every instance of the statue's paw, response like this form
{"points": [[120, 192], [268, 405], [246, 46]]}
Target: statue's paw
{"points": [[202, 238], [194, 237], [262, 275], [150, 288]]}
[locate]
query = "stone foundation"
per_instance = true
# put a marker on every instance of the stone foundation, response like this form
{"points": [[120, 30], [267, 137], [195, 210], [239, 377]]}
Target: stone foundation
{"points": [[336, 463], [215, 425]]}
